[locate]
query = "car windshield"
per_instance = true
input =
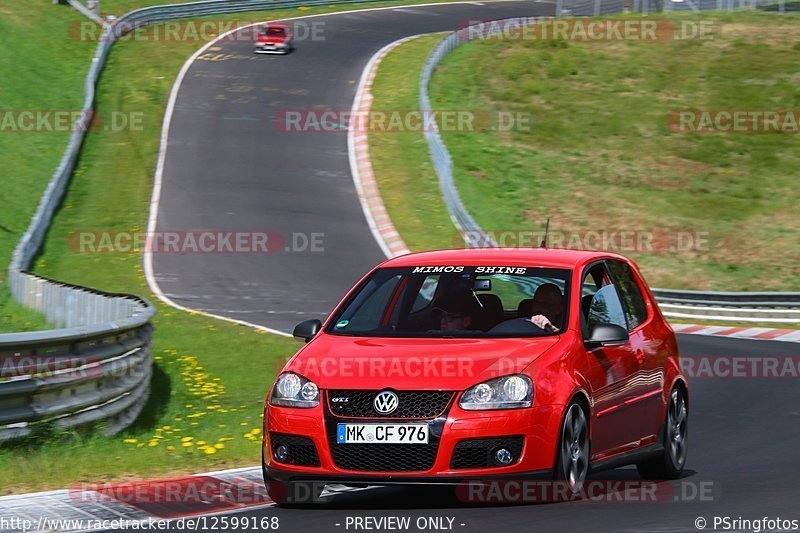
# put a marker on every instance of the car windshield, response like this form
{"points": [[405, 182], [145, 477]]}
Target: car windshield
{"points": [[274, 32], [455, 301]]}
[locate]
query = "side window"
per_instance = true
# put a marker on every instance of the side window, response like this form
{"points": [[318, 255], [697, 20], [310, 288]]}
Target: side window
{"points": [[594, 279], [606, 308], [632, 299]]}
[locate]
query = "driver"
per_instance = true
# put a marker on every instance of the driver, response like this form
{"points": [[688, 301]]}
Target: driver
{"points": [[458, 309], [548, 305]]}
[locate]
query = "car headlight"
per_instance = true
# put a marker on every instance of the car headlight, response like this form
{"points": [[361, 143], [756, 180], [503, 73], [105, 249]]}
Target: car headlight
{"points": [[292, 390], [507, 392]]}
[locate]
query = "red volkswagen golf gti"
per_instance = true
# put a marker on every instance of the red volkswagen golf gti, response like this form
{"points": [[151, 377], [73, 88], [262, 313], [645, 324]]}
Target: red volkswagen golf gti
{"points": [[480, 364]]}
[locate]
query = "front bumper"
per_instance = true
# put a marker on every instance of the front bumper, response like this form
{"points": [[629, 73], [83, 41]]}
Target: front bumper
{"points": [[272, 49], [539, 426]]}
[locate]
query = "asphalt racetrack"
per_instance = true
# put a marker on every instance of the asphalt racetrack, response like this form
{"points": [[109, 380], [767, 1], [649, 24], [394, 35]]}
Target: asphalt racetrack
{"points": [[228, 168]]}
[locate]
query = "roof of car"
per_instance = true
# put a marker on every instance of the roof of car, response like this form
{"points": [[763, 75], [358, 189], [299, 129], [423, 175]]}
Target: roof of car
{"points": [[538, 257]]}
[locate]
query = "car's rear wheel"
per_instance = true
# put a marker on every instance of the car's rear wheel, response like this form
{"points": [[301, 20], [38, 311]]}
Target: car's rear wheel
{"points": [[669, 464], [572, 464]]}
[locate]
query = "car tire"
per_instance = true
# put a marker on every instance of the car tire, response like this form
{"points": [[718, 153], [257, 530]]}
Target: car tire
{"points": [[572, 456], [669, 463]]}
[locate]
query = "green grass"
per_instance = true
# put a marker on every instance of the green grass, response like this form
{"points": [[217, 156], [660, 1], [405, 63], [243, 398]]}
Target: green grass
{"points": [[29, 159], [406, 179], [119, 7], [211, 377], [600, 154]]}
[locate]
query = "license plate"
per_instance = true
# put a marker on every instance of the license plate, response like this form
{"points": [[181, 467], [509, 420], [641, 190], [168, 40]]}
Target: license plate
{"points": [[382, 434]]}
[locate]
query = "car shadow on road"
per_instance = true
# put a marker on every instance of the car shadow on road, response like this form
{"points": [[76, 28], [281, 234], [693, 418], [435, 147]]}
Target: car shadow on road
{"points": [[622, 485]]}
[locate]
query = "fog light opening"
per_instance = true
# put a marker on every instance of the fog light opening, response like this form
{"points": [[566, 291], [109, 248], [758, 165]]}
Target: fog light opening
{"points": [[503, 457], [282, 453]]}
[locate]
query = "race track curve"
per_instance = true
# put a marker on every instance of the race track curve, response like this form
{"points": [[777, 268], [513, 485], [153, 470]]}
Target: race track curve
{"points": [[228, 168]]}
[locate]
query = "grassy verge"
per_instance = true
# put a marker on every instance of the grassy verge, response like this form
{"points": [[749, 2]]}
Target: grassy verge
{"points": [[400, 160], [600, 154], [120, 7], [28, 159], [210, 377]]}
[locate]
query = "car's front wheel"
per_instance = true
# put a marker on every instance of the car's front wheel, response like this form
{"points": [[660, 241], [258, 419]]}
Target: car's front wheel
{"points": [[669, 464], [572, 464]]}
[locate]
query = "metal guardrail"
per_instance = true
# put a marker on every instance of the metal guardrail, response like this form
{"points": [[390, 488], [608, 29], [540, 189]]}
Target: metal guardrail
{"points": [[97, 368], [778, 307], [766, 307]]}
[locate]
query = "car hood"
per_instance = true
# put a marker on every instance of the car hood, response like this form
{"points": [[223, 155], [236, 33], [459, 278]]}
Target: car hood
{"points": [[335, 362]]}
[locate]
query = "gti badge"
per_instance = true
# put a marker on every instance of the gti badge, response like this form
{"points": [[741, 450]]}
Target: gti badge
{"points": [[385, 402]]}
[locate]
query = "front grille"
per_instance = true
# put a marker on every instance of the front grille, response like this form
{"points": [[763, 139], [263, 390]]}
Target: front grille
{"points": [[302, 451], [479, 453], [384, 457], [411, 404]]}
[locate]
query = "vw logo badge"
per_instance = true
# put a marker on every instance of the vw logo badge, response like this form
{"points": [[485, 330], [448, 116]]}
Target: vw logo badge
{"points": [[385, 402]]}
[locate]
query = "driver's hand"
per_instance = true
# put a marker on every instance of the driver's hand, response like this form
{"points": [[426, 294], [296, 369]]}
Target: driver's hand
{"points": [[543, 322]]}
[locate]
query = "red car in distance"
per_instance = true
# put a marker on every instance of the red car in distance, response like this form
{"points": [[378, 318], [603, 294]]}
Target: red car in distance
{"points": [[445, 366], [274, 38]]}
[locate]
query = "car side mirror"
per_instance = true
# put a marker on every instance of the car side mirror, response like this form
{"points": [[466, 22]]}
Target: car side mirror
{"points": [[605, 334], [307, 330]]}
